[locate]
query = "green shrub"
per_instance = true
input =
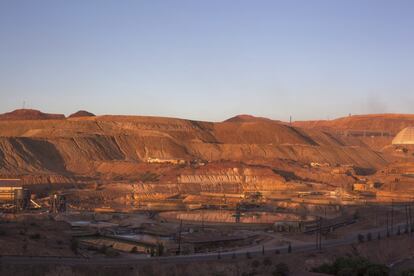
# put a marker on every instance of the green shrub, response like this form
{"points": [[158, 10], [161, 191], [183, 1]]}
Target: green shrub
{"points": [[267, 262], [349, 266], [255, 264], [409, 272], [74, 245], [35, 236], [281, 269], [377, 270]]}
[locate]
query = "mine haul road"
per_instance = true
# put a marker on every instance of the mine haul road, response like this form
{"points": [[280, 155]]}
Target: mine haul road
{"points": [[256, 250]]}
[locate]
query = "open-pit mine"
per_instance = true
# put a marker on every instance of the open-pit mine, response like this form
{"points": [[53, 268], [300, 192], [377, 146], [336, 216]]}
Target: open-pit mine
{"points": [[134, 189]]}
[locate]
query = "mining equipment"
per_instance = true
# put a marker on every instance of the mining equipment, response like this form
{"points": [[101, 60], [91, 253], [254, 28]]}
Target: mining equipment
{"points": [[15, 198], [58, 203]]}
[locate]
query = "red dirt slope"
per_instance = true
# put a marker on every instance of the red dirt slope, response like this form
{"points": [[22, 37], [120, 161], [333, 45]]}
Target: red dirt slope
{"points": [[392, 123], [30, 114]]}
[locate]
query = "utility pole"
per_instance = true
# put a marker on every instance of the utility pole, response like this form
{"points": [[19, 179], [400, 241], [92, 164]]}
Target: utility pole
{"points": [[179, 237], [392, 216], [409, 218], [406, 219], [318, 234], [202, 220], [388, 227]]}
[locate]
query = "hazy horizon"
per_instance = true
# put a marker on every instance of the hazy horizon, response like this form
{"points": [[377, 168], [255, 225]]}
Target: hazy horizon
{"points": [[208, 60]]}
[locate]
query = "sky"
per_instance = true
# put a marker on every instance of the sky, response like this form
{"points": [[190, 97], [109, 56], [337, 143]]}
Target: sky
{"points": [[208, 60]]}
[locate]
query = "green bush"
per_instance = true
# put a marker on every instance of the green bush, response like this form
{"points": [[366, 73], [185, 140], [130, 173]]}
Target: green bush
{"points": [[35, 236], [267, 262], [376, 270], [74, 245], [409, 272], [255, 264], [349, 266], [281, 269]]}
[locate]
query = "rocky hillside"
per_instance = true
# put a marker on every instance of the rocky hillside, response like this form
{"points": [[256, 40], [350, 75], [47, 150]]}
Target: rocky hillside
{"points": [[375, 130], [391, 123], [86, 145], [30, 114]]}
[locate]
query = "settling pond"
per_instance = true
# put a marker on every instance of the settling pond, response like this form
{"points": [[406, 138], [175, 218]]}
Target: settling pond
{"points": [[228, 216]]}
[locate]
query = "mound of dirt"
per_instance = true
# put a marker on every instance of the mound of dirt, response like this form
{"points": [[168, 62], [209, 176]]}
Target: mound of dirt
{"points": [[30, 114], [81, 113], [248, 118], [390, 123]]}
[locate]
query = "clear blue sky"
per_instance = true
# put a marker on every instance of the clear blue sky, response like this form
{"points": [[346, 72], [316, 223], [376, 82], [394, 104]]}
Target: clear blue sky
{"points": [[208, 59]]}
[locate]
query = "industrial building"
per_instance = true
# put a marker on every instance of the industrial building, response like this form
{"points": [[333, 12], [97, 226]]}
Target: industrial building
{"points": [[13, 196]]}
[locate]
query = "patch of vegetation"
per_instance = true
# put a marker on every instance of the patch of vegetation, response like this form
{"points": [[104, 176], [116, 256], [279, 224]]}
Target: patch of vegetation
{"points": [[35, 236], [110, 252], [357, 266], [255, 264], [101, 249], [409, 272], [267, 262], [149, 177], [281, 269], [74, 245]]}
